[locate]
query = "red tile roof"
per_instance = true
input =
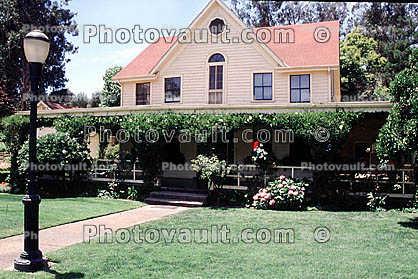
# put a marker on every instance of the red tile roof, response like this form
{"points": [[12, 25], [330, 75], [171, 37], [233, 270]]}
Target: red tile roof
{"points": [[312, 46], [147, 59], [55, 105], [304, 52]]}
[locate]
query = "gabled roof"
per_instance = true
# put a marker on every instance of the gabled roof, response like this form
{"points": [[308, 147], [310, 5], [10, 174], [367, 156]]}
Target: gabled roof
{"points": [[54, 105], [303, 52], [306, 50], [146, 60]]}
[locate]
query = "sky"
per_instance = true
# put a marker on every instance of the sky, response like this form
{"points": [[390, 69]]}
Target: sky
{"points": [[87, 66]]}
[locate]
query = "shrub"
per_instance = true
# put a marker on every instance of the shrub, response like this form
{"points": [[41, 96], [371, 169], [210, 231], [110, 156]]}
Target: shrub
{"points": [[282, 193], [210, 169], [112, 152], [14, 131], [59, 150], [59, 156]]}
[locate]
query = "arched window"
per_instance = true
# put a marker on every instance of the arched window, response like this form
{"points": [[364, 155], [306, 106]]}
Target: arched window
{"points": [[217, 57], [216, 78]]}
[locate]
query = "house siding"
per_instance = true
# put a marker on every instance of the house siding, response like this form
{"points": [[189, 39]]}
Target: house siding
{"points": [[189, 61]]}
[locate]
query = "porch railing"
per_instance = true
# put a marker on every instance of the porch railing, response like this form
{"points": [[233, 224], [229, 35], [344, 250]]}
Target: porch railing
{"points": [[248, 173], [108, 170], [242, 177], [357, 181]]}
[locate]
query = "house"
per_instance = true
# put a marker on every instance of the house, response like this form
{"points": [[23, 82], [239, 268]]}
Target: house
{"points": [[295, 68], [291, 68], [219, 65]]}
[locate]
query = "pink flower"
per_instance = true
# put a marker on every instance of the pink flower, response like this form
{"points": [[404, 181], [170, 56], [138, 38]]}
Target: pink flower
{"points": [[255, 197], [290, 192], [272, 202], [280, 185], [268, 196], [282, 177], [295, 193]]}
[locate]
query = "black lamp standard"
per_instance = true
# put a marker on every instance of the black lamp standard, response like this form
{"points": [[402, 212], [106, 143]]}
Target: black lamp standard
{"points": [[36, 47]]}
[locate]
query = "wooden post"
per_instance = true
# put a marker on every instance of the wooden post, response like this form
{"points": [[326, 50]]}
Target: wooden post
{"points": [[238, 174], [134, 170]]}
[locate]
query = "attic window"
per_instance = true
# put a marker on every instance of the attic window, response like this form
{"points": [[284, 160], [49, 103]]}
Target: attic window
{"points": [[217, 26]]}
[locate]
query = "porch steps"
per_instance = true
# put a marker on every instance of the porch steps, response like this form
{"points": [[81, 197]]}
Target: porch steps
{"points": [[184, 190], [183, 198]]}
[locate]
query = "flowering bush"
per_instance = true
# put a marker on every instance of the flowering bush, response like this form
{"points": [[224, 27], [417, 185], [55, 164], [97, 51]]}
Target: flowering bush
{"points": [[4, 187], [210, 169], [282, 193], [259, 154]]}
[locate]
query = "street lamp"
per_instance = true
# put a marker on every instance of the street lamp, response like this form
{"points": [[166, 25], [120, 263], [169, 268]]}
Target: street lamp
{"points": [[36, 47]]}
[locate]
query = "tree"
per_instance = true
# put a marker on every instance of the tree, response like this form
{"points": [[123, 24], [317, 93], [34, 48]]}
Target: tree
{"points": [[80, 100], [360, 65], [394, 26], [63, 96], [111, 89], [94, 101], [18, 17], [271, 13], [398, 138]]}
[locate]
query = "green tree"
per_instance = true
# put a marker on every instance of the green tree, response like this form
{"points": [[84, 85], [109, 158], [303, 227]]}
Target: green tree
{"points": [[360, 65], [94, 101], [271, 13], [398, 138], [394, 26], [18, 17], [80, 100], [111, 89]]}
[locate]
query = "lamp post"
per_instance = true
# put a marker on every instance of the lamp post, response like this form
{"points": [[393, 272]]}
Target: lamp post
{"points": [[36, 48]]}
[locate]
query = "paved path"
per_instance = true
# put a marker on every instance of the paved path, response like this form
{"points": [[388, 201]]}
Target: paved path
{"points": [[65, 235]]}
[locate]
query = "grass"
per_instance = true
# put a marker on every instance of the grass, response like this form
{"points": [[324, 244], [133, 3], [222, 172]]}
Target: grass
{"points": [[56, 211], [362, 245]]}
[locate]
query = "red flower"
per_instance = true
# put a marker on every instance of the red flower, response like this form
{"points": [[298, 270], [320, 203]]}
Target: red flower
{"points": [[255, 144]]}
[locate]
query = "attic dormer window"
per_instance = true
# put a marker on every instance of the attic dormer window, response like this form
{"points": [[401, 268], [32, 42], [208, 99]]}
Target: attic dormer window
{"points": [[217, 26]]}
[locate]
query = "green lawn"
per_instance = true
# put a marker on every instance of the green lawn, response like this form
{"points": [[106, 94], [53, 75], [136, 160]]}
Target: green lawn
{"points": [[56, 211], [362, 245]]}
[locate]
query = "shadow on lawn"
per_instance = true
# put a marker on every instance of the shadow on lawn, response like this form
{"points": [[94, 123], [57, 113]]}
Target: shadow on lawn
{"points": [[412, 223], [66, 275]]}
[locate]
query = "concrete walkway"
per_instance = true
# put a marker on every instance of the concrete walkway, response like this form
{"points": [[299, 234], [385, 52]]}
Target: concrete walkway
{"points": [[58, 237]]}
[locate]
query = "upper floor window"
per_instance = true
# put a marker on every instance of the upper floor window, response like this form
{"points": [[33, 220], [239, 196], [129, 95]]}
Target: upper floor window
{"points": [[172, 88], [262, 86], [216, 26], [217, 57], [216, 78], [300, 88], [143, 93]]}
